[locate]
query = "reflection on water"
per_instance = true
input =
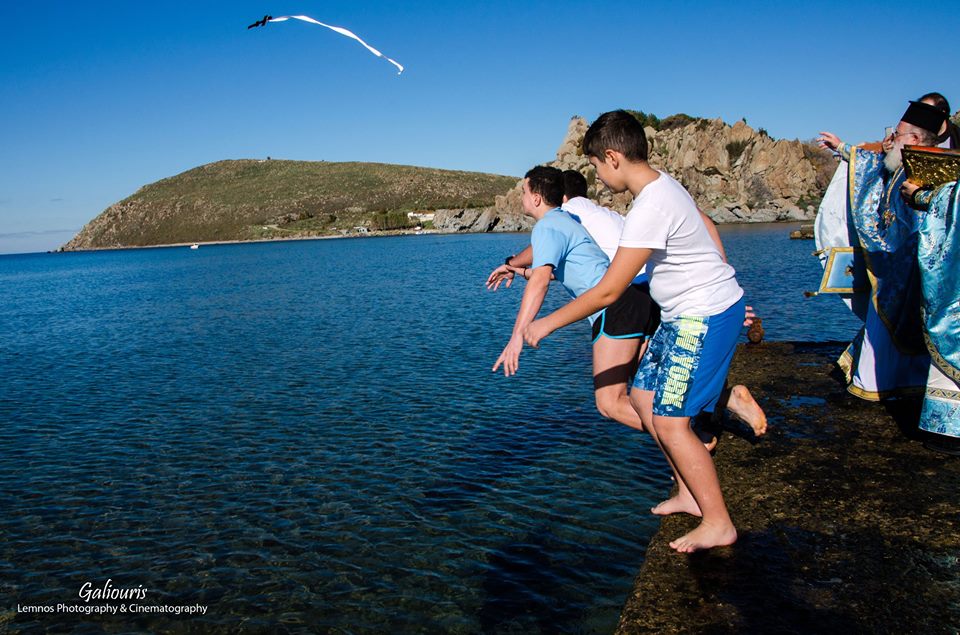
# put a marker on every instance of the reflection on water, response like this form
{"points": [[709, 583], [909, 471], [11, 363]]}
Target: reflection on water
{"points": [[308, 435], [774, 272]]}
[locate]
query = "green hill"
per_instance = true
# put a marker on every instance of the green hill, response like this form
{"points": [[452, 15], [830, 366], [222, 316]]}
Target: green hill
{"points": [[247, 200]]}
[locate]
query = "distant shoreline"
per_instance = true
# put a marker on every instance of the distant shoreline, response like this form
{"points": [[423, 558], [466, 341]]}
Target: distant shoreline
{"points": [[372, 234]]}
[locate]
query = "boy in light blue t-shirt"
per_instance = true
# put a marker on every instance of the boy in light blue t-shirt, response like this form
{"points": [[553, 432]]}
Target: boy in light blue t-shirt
{"points": [[562, 243], [563, 249]]}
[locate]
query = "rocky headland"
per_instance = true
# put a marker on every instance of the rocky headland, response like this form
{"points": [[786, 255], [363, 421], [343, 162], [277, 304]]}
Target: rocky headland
{"points": [[735, 174]]}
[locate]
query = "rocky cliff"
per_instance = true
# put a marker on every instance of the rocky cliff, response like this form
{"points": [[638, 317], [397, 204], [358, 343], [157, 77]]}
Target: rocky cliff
{"points": [[482, 219], [735, 173]]}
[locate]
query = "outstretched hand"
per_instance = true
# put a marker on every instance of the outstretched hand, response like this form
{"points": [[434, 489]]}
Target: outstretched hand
{"points": [[502, 274], [510, 357], [535, 332], [829, 140]]}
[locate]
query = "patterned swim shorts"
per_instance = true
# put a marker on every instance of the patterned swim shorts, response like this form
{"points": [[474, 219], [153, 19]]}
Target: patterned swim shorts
{"points": [[687, 362]]}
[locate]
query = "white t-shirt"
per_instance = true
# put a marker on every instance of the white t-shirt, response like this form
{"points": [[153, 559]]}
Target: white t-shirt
{"points": [[687, 274], [604, 225]]}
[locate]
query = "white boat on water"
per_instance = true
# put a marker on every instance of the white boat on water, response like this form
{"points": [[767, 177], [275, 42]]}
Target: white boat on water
{"points": [[194, 246]]}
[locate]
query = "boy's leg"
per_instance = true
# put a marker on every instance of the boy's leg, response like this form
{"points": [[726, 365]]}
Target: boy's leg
{"points": [[695, 356], [683, 502], [696, 470], [642, 402], [740, 402], [618, 344], [653, 368], [614, 363]]}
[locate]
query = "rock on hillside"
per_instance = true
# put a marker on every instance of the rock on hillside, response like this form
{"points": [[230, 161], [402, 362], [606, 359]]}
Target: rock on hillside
{"points": [[484, 219], [734, 173]]}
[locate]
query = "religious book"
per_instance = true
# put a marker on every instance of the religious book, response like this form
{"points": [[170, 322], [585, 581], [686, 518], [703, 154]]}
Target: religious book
{"points": [[931, 167]]}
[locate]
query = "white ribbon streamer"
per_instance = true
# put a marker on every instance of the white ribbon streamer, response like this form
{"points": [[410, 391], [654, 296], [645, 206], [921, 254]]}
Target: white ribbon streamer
{"points": [[339, 30]]}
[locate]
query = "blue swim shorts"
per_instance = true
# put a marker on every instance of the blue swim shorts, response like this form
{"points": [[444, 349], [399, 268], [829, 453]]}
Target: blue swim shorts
{"points": [[687, 362]]}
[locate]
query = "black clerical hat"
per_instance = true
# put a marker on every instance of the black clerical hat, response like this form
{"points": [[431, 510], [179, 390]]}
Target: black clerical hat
{"points": [[924, 116]]}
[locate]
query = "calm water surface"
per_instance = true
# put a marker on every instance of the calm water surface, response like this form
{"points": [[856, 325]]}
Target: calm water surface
{"points": [[307, 436]]}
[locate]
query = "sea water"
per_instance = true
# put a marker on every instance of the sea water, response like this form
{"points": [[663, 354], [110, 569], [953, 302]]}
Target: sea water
{"points": [[307, 436]]}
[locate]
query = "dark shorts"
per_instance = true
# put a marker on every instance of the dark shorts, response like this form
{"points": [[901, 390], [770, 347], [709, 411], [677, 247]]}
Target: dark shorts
{"points": [[634, 315]]}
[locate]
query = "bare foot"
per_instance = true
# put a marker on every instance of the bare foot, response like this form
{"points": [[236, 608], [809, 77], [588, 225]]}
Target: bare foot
{"points": [[677, 505], [742, 404], [707, 437], [706, 536], [711, 444]]}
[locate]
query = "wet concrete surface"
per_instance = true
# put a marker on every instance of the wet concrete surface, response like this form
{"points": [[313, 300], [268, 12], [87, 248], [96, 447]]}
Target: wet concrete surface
{"points": [[847, 522]]}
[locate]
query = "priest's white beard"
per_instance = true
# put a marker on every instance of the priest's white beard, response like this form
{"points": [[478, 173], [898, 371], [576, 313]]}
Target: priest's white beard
{"points": [[893, 158]]}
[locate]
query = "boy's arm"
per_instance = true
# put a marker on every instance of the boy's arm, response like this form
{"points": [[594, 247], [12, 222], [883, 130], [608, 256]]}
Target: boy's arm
{"points": [[714, 234], [523, 259], [533, 295], [504, 271], [626, 263], [748, 314]]}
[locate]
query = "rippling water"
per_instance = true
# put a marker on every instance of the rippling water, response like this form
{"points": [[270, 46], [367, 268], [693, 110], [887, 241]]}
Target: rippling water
{"points": [[307, 436], [774, 272]]}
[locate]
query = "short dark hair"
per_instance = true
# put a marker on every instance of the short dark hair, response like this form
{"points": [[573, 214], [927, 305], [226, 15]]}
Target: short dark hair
{"points": [[547, 182], [574, 184], [617, 130], [938, 101]]}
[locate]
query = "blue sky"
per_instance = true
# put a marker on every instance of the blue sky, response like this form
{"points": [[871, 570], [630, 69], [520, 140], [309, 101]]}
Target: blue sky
{"points": [[100, 98]]}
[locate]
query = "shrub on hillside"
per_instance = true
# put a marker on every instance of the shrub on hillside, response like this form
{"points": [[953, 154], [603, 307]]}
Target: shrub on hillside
{"points": [[646, 119], [673, 121], [758, 192], [389, 220], [735, 149], [822, 161], [678, 120]]}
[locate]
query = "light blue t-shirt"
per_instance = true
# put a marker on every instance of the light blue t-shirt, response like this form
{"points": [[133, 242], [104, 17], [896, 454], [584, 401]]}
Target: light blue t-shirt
{"points": [[578, 262]]}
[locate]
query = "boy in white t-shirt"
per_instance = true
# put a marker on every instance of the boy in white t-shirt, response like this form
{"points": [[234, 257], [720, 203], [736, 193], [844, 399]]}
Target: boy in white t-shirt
{"points": [[702, 307], [612, 376]]}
